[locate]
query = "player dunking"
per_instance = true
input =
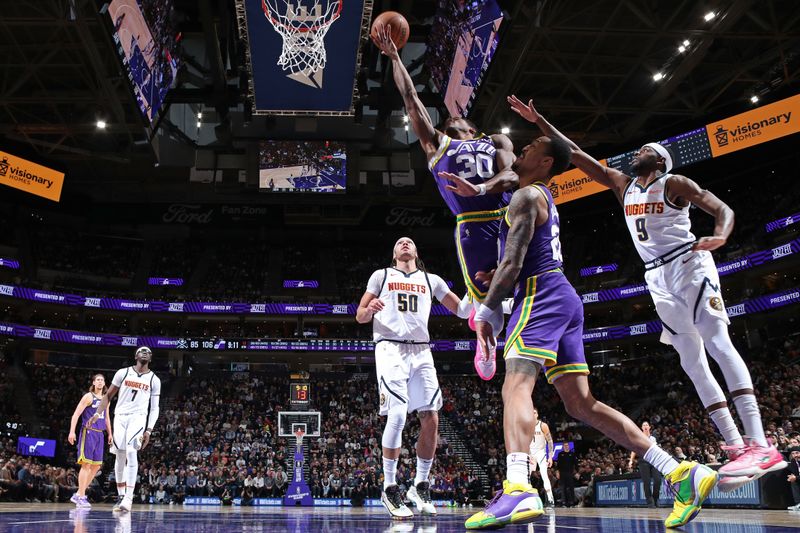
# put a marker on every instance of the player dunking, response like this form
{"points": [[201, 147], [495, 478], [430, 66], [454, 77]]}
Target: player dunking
{"points": [[471, 157], [134, 417], [541, 453], [546, 330], [684, 284], [90, 440], [398, 301]]}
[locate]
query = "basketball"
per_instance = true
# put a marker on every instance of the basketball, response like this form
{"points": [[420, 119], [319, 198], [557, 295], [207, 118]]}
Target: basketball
{"points": [[399, 26]]}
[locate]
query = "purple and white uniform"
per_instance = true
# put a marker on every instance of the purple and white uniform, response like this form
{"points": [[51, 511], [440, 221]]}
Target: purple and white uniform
{"points": [[546, 323], [90, 439], [477, 217]]}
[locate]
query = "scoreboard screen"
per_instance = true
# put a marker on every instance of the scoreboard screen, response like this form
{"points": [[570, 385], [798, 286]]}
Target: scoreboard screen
{"points": [[300, 394]]}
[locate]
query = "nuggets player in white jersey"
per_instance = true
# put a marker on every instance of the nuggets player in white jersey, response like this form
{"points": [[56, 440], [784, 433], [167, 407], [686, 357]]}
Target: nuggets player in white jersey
{"points": [[541, 453], [684, 284], [135, 415], [462, 160], [398, 301]]}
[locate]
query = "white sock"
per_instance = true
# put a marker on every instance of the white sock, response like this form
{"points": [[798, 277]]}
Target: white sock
{"points": [[750, 415], [724, 421], [660, 459], [389, 472], [121, 490], [423, 469], [517, 468]]}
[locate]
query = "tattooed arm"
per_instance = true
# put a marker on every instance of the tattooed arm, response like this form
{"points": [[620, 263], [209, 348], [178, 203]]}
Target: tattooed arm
{"points": [[522, 213]]}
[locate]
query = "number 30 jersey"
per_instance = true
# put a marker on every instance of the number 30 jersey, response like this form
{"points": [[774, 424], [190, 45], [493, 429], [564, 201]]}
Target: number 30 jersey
{"points": [[407, 300], [657, 225], [135, 390], [474, 161]]}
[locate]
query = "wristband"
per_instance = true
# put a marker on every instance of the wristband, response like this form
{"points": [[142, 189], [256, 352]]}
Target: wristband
{"points": [[481, 189]]}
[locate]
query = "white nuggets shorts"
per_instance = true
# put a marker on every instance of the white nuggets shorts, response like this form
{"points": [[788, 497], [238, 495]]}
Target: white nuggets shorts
{"points": [[406, 376], [129, 430], [686, 291]]}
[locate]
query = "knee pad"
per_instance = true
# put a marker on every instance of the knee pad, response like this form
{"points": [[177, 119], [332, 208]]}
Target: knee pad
{"points": [[395, 422]]}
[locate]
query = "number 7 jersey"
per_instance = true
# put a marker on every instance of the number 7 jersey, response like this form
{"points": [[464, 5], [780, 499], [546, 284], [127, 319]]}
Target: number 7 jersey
{"points": [[657, 225], [135, 390], [407, 300]]}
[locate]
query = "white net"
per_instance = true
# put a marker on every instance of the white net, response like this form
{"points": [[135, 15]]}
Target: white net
{"points": [[303, 29]]}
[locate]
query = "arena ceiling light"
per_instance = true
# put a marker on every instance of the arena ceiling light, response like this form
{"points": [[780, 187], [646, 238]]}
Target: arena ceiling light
{"points": [[754, 99], [505, 130], [681, 49], [658, 76], [101, 124], [199, 115], [686, 42], [709, 16]]}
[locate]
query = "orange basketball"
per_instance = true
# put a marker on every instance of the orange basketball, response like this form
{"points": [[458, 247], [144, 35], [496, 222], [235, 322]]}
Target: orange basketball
{"points": [[398, 23]]}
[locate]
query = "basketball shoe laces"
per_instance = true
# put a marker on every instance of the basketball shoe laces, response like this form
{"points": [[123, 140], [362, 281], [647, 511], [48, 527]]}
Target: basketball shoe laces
{"points": [[497, 496], [394, 496], [424, 491], [734, 451]]}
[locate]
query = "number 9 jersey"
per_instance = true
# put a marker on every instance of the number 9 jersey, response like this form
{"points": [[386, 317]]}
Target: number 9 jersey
{"points": [[135, 390], [407, 300]]}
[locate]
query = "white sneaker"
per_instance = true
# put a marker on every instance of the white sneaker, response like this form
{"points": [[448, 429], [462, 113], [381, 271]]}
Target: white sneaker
{"points": [[420, 496], [126, 504], [117, 505], [731, 483], [794, 507], [392, 499]]}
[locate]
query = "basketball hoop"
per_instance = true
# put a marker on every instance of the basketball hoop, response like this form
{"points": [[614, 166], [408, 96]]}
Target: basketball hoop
{"points": [[298, 434], [303, 32]]}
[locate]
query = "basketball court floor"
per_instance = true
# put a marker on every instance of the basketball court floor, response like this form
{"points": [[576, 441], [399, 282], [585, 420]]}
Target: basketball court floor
{"points": [[18, 518]]}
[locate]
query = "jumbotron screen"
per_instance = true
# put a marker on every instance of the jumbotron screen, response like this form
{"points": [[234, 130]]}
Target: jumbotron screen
{"points": [[302, 166], [461, 46], [146, 40]]}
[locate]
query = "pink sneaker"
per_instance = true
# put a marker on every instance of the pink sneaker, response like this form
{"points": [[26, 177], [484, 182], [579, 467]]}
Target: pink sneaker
{"points": [[734, 451], [471, 320], [486, 369], [731, 483], [755, 461]]}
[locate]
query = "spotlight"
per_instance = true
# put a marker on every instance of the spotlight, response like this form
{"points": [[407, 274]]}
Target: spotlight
{"points": [[199, 115], [199, 123], [505, 130], [406, 127], [405, 119], [101, 124], [709, 16], [681, 49], [686, 42], [754, 99], [658, 76]]}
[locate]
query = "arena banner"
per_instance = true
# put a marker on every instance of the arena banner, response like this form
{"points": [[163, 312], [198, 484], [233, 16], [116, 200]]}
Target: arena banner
{"points": [[574, 184], [30, 177], [760, 125], [9, 263], [165, 281], [278, 502], [782, 222], [300, 284], [755, 305], [625, 492], [36, 447], [600, 269], [304, 59]]}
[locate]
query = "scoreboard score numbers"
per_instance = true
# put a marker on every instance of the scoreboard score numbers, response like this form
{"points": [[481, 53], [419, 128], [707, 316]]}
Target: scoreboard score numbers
{"points": [[299, 394]]}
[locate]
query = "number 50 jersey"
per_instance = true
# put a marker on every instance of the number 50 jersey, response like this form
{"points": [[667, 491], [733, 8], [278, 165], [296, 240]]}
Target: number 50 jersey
{"points": [[407, 300], [135, 390], [473, 160]]}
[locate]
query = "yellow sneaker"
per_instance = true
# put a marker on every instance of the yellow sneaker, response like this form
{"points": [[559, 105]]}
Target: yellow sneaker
{"points": [[691, 483], [517, 503]]}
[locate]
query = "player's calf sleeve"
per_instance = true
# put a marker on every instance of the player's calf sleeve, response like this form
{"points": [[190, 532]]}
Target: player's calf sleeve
{"points": [[131, 469], [119, 469], [395, 422], [695, 363]]}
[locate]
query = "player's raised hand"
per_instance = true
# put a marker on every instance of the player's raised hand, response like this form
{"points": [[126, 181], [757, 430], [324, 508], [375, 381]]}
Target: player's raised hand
{"points": [[383, 40], [485, 277], [483, 330], [71, 437], [708, 243], [375, 305], [459, 185], [526, 111]]}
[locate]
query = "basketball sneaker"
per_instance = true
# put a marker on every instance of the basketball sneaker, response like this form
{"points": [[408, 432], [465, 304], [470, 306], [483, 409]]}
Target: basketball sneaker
{"points": [[126, 504], [81, 502], [517, 503], [420, 496], [690, 483], [755, 461], [731, 483], [392, 499], [118, 503]]}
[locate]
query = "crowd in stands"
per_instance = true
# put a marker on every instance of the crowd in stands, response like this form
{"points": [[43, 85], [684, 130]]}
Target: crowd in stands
{"points": [[64, 250], [277, 154]]}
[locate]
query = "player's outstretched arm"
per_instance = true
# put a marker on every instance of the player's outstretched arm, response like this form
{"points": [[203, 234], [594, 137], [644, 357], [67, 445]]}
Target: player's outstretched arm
{"points": [[457, 306], [419, 117], [609, 177], [680, 189]]}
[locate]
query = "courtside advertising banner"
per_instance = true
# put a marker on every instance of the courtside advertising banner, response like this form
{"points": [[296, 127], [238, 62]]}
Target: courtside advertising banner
{"points": [[29, 177], [757, 126], [304, 54]]}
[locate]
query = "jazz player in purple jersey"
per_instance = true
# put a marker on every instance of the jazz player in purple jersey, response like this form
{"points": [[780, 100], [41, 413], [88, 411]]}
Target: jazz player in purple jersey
{"points": [[546, 330], [463, 154], [90, 439]]}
